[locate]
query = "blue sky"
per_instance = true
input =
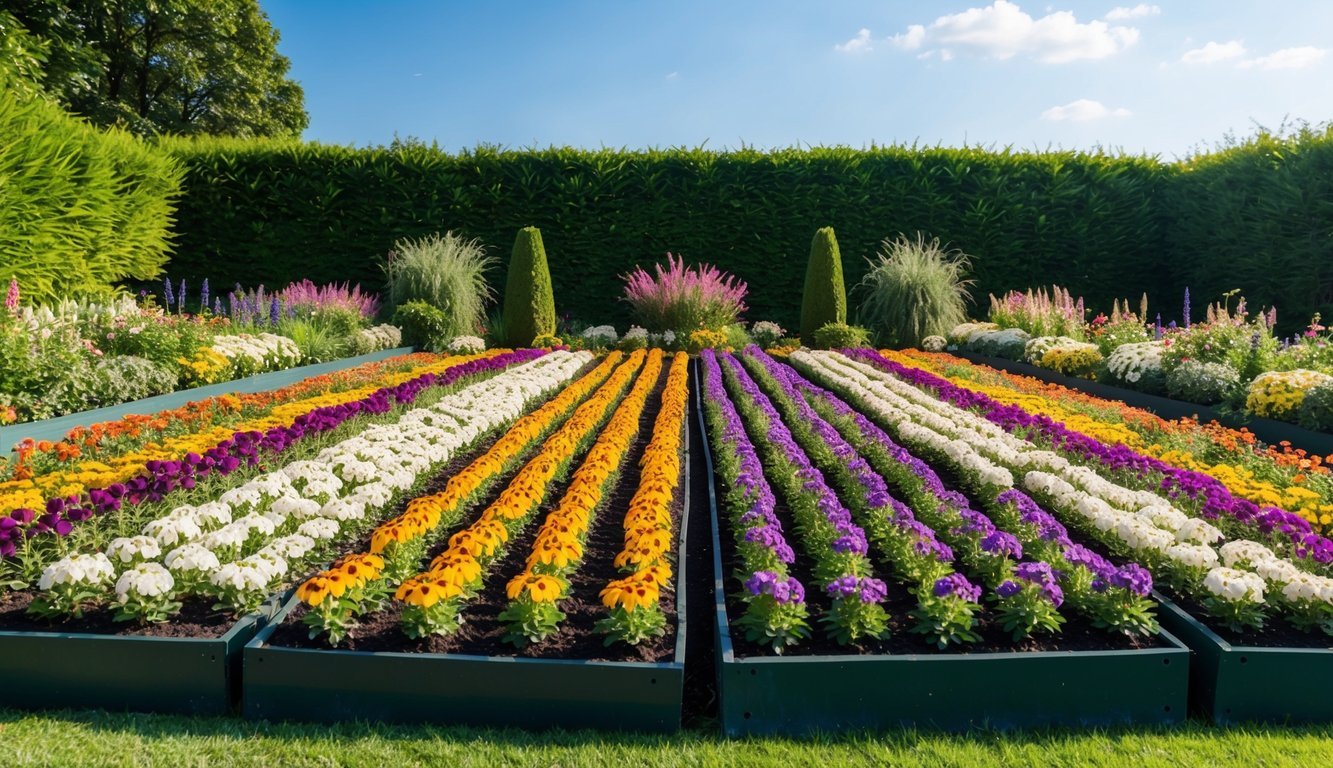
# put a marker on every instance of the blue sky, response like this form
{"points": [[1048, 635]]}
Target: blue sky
{"points": [[1161, 78]]}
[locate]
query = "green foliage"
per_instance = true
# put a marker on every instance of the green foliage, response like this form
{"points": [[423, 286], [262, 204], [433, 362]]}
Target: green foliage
{"points": [[1258, 215], [529, 306], [424, 326], [80, 209], [1316, 410], [914, 289], [448, 273], [824, 299], [166, 66], [841, 336]]}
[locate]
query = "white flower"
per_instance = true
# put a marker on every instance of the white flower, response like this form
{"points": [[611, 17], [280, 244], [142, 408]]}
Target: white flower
{"points": [[1192, 555], [131, 548], [1243, 552], [601, 334], [192, 557], [1235, 586], [1198, 530], [466, 345], [169, 531], [318, 528], [291, 547], [213, 514], [93, 570], [144, 580]]}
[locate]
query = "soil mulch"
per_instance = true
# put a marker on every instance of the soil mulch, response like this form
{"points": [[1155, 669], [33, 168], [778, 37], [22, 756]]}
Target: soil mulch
{"points": [[482, 632]]}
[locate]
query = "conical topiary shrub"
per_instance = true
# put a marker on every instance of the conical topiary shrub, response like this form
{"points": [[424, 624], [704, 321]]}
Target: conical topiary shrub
{"points": [[825, 298], [529, 307]]}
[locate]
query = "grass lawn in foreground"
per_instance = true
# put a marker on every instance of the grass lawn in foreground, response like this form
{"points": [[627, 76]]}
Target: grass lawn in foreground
{"points": [[100, 738]]}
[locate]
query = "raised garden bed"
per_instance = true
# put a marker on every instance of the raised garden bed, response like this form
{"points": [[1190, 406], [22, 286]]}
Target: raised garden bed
{"points": [[197, 675], [1232, 682], [767, 694], [1268, 430], [570, 680]]}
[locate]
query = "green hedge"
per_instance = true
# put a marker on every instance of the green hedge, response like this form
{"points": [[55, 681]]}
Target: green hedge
{"points": [[1257, 216], [268, 212], [80, 208]]}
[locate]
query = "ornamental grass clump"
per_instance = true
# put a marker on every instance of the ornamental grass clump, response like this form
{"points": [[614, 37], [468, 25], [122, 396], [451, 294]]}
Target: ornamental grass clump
{"points": [[684, 299], [914, 289], [447, 272]]}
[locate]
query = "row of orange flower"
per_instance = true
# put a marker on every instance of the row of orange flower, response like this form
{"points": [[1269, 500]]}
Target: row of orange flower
{"points": [[557, 551], [634, 601], [434, 598], [357, 585]]}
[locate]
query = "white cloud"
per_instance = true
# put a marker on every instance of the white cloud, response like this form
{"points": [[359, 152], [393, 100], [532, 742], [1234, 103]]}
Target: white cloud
{"points": [[1137, 12], [858, 44], [1083, 110], [911, 39], [673, 76], [1003, 30], [1214, 52], [1288, 58]]}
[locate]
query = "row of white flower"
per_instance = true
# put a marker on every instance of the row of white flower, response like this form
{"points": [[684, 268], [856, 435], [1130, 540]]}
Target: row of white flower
{"points": [[243, 544], [376, 338], [1144, 521], [265, 351]]}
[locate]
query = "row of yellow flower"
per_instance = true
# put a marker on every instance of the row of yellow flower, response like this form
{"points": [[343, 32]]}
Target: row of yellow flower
{"points": [[1238, 479], [557, 551], [456, 574], [425, 514], [648, 523], [33, 492]]}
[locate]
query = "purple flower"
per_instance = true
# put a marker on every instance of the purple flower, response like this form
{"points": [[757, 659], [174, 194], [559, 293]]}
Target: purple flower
{"points": [[843, 586], [957, 585], [1007, 589], [1002, 544], [170, 296], [761, 582], [1185, 314], [1134, 578], [873, 590]]}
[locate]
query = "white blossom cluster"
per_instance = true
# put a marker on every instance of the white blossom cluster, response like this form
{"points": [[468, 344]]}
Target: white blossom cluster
{"points": [[376, 338], [93, 571], [600, 335], [1130, 362], [246, 541], [1037, 348], [264, 352], [1146, 522], [465, 345]]}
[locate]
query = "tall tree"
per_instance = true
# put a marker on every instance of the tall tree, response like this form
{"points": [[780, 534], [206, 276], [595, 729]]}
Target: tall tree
{"points": [[166, 66]]}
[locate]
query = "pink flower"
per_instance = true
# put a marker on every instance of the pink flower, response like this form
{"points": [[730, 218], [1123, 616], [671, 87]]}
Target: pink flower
{"points": [[12, 297]]}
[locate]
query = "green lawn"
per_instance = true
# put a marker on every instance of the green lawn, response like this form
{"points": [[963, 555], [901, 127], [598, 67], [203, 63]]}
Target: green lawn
{"points": [[98, 738]]}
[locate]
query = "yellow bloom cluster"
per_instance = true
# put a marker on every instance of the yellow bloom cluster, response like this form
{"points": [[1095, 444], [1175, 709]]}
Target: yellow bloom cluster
{"points": [[1243, 482], [349, 572], [208, 366], [424, 514], [1073, 359], [1277, 394], [558, 547], [648, 524], [476, 546]]}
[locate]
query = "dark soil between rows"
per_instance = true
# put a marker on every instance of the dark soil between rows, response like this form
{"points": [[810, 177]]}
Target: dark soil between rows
{"points": [[482, 632]]}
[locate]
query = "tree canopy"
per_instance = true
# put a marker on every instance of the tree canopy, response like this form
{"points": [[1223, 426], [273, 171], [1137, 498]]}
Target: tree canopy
{"points": [[161, 66]]}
